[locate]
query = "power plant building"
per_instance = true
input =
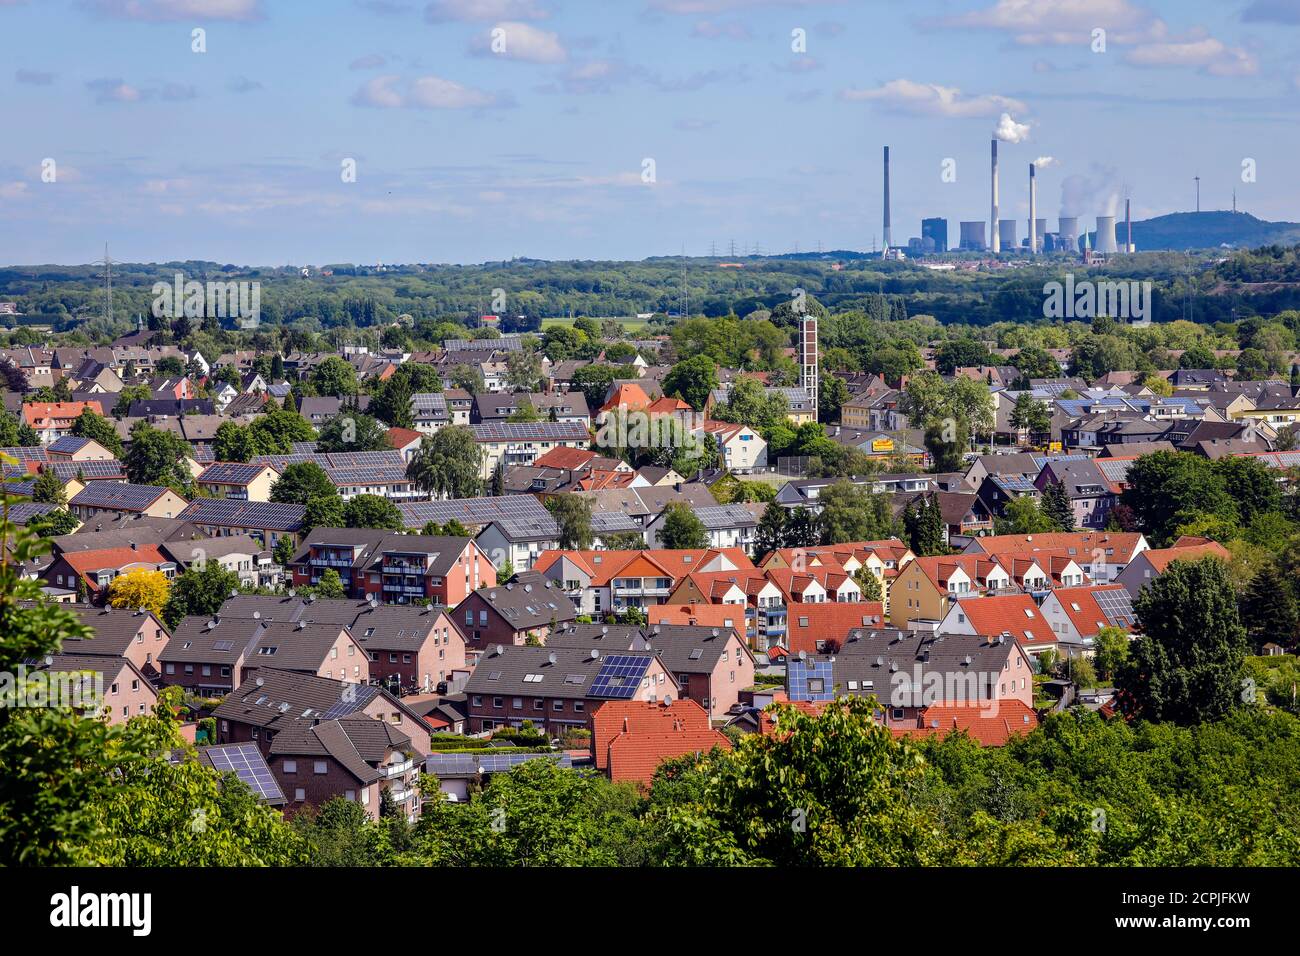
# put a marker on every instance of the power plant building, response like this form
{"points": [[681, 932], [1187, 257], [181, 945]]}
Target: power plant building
{"points": [[1106, 244], [936, 230], [1007, 235]]}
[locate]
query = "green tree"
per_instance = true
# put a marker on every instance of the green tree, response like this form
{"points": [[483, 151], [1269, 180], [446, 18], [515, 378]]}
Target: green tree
{"points": [[53, 524], [1251, 485], [1166, 489], [682, 528], [692, 380], [802, 529], [1187, 665], [448, 464], [350, 430], [923, 524], [284, 551], [323, 511], [234, 442], [853, 513], [372, 511], [48, 488], [90, 424], [1056, 506], [1031, 415], [300, 482], [1022, 515], [157, 458], [770, 534], [201, 589], [1268, 609], [335, 376], [523, 371], [572, 513], [871, 586], [275, 431], [330, 585], [1110, 651]]}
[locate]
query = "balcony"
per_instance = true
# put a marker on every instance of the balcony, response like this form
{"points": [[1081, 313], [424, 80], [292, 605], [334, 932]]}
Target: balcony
{"points": [[323, 561], [401, 796], [396, 769]]}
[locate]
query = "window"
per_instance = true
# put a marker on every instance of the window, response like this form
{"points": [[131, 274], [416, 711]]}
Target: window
{"points": [[496, 702], [476, 701], [539, 704], [291, 766], [517, 703], [299, 795], [557, 705], [320, 767]]}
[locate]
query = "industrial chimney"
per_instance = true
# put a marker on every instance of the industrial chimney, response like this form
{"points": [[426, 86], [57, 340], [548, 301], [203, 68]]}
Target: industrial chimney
{"points": [[1128, 221], [888, 240], [1033, 210], [1106, 244], [993, 220]]}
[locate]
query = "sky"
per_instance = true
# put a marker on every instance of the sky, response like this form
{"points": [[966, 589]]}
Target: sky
{"points": [[305, 132]]}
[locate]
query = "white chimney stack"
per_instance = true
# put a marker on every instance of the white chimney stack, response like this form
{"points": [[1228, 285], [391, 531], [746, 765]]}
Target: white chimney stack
{"points": [[993, 224], [1033, 210]]}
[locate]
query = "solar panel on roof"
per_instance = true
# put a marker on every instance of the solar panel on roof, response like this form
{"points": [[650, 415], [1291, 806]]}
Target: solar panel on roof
{"points": [[800, 674], [619, 676], [1116, 605], [245, 761], [111, 494], [360, 694]]}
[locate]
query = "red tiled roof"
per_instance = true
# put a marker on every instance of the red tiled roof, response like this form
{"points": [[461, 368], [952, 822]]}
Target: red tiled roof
{"points": [[568, 458], [635, 757], [85, 562], [1013, 614], [1161, 558], [1124, 543], [806, 624], [401, 437], [42, 415], [703, 615], [604, 566], [1081, 607], [988, 727], [615, 717]]}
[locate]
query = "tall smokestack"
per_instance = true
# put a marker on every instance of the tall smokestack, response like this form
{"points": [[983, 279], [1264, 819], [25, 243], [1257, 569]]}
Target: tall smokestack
{"points": [[1128, 222], [993, 225], [1033, 210], [888, 241]]}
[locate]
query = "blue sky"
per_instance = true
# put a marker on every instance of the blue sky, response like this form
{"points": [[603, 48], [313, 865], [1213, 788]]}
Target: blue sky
{"points": [[465, 153]]}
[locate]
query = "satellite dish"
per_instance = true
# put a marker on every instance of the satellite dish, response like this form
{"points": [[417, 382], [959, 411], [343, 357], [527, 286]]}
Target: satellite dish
{"points": [[500, 650], [551, 657], [257, 615], [595, 654]]}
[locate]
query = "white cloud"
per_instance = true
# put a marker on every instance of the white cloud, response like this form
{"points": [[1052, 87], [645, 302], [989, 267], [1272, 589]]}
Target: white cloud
{"points": [[114, 90], [422, 92], [520, 41], [1060, 22], [171, 10], [1204, 53], [440, 11], [1044, 162], [1009, 131], [932, 99]]}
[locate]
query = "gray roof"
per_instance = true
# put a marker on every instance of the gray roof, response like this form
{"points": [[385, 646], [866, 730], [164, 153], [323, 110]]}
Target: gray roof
{"points": [[118, 496], [683, 648], [514, 670], [283, 645], [370, 546], [528, 601], [520, 517], [254, 515], [278, 699], [114, 630], [460, 766]]}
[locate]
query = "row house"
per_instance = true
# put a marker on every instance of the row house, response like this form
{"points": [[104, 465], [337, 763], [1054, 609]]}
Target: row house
{"points": [[526, 609], [412, 649], [108, 687], [1153, 562], [556, 688], [1015, 617], [213, 656], [1102, 555], [1077, 615], [353, 473], [922, 678], [630, 739], [92, 572], [566, 407], [243, 554], [137, 636], [507, 444], [512, 529], [326, 738], [237, 481], [711, 665], [53, 420], [266, 521], [601, 582], [394, 568], [111, 497]]}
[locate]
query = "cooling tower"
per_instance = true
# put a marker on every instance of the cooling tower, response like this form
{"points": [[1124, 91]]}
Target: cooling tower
{"points": [[1007, 234], [972, 236], [888, 239], [993, 219], [1069, 233], [1106, 244]]}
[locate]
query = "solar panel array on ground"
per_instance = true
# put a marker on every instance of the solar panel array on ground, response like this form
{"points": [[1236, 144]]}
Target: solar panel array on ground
{"points": [[517, 515], [619, 676], [256, 515], [245, 761]]}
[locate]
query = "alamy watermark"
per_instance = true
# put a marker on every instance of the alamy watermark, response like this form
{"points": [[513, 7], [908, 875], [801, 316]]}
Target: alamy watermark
{"points": [[1127, 301], [79, 690], [193, 299]]}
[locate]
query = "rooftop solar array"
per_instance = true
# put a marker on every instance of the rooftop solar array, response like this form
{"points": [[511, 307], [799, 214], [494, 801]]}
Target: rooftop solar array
{"points": [[68, 444], [25, 453], [517, 515], [231, 473], [433, 403], [21, 512], [620, 675], [1017, 484], [86, 469], [530, 431], [302, 448], [256, 515], [471, 765], [1116, 605], [20, 487], [612, 522], [346, 468], [245, 761], [800, 674], [361, 694], [112, 494], [725, 516], [1115, 471], [507, 343]]}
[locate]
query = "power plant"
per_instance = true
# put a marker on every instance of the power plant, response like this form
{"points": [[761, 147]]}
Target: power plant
{"points": [[993, 219], [1033, 211], [1106, 244], [1068, 233], [1007, 234], [887, 239], [972, 236]]}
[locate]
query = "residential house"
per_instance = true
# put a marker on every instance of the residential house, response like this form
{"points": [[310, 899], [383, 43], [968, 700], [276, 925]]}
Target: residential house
{"points": [[267, 521], [506, 444], [1153, 562], [237, 481], [53, 420], [1077, 615], [1014, 616], [525, 609], [630, 739]]}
